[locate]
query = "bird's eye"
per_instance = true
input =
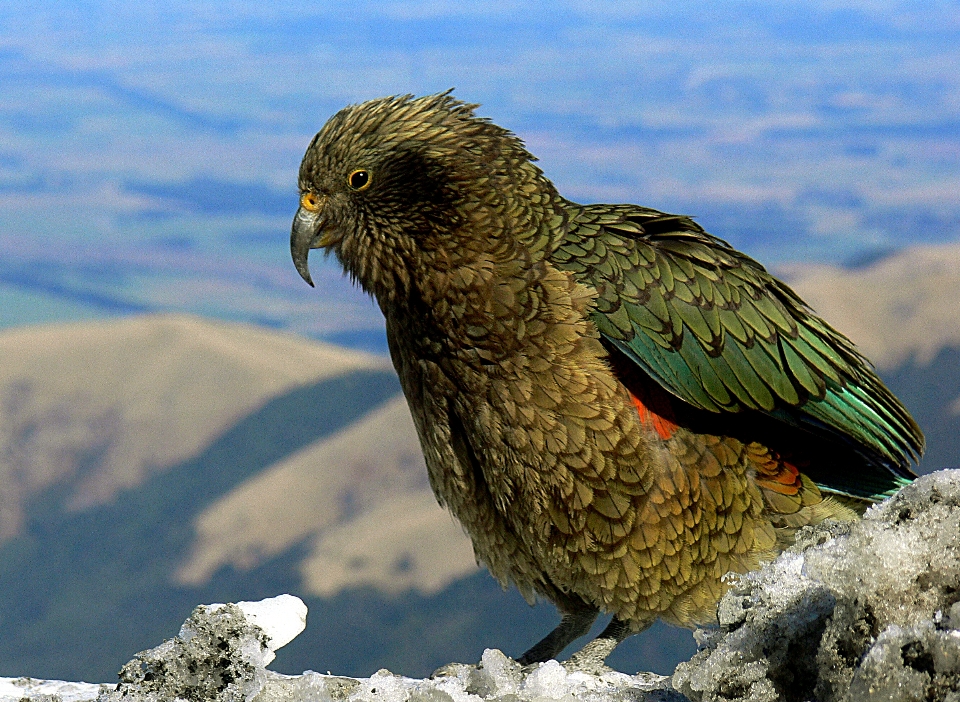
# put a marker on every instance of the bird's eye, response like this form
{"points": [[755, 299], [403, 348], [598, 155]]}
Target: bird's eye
{"points": [[359, 179], [310, 201]]}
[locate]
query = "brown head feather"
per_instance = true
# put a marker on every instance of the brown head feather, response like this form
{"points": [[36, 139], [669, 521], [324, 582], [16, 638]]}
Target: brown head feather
{"points": [[433, 166]]}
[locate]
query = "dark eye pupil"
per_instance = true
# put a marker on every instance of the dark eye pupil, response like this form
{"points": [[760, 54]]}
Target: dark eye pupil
{"points": [[358, 179]]}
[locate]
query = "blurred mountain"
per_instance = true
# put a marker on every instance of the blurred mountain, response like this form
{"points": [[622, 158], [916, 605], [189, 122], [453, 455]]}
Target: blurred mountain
{"points": [[153, 462], [98, 407], [156, 461], [116, 437], [337, 496], [901, 308]]}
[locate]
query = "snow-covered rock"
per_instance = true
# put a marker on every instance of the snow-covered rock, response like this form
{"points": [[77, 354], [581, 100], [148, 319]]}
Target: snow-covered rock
{"points": [[222, 650], [862, 611]]}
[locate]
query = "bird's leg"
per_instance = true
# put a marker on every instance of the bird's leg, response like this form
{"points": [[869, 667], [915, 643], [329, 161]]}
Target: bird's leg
{"points": [[575, 622], [592, 657]]}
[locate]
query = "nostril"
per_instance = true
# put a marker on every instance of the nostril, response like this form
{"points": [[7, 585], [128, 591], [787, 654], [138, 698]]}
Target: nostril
{"points": [[311, 201]]}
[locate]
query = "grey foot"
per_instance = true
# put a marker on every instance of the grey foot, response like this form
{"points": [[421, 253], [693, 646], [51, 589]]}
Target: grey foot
{"points": [[592, 658], [575, 623], [590, 662]]}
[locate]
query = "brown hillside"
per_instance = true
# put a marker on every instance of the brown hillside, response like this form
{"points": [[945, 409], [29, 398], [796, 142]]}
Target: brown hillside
{"points": [[101, 405], [361, 499], [905, 306]]}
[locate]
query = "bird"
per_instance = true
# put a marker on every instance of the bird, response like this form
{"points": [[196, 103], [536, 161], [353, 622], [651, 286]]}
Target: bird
{"points": [[618, 407]]}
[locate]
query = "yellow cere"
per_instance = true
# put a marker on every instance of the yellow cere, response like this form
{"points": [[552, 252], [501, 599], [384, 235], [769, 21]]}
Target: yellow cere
{"points": [[310, 201]]}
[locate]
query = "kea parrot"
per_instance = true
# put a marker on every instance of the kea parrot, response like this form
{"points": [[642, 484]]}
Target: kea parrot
{"points": [[618, 407]]}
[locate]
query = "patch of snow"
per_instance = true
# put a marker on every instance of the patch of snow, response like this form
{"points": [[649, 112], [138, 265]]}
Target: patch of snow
{"points": [[221, 653], [282, 619], [861, 611], [16, 689]]}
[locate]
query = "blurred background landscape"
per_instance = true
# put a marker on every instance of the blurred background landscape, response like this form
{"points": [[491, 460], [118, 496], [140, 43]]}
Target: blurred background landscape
{"points": [[182, 420]]}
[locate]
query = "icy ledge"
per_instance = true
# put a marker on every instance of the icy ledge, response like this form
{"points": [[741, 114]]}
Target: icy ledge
{"points": [[869, 611], [862, 611], [221, 652]]}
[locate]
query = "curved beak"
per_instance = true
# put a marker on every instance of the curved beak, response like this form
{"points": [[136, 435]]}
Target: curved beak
{"points": [[305, 235]]}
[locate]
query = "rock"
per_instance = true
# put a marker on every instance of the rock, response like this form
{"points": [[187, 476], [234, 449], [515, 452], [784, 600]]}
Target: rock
{"points": [[862, 611], [220, 654]]}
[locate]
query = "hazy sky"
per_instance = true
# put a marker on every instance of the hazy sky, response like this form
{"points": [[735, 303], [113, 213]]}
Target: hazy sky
{"points": [[148, 154]]}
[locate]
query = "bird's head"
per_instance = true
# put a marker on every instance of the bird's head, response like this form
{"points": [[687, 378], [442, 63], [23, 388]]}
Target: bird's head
{"points": [[400, 187]]}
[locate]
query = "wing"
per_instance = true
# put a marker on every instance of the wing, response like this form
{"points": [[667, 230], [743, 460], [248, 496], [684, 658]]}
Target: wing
{"points": [[715, 329]]}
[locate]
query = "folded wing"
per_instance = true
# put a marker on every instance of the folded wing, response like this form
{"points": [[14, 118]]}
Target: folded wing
{"points": [[716, 330]]}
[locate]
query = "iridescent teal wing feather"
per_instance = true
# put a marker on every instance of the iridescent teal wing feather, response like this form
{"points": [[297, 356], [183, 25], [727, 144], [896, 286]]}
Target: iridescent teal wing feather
{"points": [[715, 329]]}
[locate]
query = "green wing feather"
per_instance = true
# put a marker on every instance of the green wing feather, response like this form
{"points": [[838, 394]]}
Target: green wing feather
{"points": [[714, 328]]}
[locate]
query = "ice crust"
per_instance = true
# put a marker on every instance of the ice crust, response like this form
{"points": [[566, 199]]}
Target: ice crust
{"points": [[852, 612], [221, 653]]}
